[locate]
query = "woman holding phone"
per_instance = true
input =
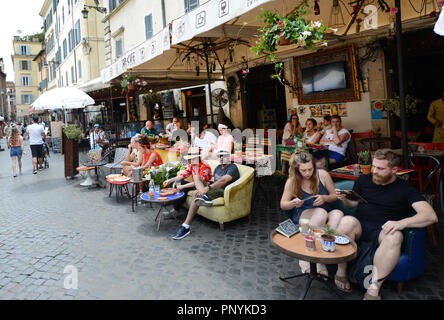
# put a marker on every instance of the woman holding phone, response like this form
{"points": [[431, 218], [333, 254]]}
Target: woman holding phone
{"points": [[307, 194]]}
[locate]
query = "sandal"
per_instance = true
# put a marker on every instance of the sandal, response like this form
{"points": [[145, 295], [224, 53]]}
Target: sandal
{"points": [[344, 281], [371, 297]]}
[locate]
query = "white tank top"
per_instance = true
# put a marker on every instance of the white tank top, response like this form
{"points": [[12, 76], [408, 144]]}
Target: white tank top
{"points": [[333, 147]]}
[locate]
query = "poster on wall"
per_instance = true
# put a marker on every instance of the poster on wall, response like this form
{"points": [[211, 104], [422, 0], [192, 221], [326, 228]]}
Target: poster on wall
{"points": [[326, 110], [377, 107], [342, 110]]}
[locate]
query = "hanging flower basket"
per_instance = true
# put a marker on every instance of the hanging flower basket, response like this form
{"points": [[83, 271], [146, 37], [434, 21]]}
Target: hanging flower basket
{"points": [[293, 28], [132, 83]]}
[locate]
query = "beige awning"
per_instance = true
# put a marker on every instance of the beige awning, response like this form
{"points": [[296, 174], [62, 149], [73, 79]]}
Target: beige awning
{"points": [[94, 84]]}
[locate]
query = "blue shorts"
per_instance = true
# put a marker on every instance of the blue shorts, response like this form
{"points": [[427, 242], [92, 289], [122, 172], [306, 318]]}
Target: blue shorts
{"points": [[332, 155], [370, 231], [16, 152]]}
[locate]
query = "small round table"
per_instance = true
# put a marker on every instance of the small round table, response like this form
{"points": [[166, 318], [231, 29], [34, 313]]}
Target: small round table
{"points": [[162, 203], [95, 165], [295, 247]]}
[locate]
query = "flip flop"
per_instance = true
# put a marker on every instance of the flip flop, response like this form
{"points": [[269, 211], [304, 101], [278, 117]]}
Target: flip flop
{"points": [[370, 297], [344, 281]]}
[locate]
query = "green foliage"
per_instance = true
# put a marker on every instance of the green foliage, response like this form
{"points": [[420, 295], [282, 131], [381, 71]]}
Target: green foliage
{"points": [[293, 27], [364, 157], [73, 132], [329, 230], [132, 79], [164, 172]]}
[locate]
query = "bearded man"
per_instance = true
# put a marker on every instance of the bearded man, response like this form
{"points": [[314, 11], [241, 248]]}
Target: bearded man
{"points": [[387, 212]]}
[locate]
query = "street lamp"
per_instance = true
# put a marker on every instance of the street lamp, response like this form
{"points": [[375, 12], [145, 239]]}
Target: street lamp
{"points": [[85, 11]]}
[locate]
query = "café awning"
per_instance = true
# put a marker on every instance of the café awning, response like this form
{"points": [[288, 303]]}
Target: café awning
{"points": [[94, 84]]}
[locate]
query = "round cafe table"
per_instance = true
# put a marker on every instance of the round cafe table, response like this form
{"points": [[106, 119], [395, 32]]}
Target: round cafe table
{"points": [[295, 247], [162, 203]]}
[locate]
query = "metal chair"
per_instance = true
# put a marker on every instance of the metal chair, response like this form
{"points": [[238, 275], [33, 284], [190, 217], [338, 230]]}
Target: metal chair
{"points": [[119, 156]]}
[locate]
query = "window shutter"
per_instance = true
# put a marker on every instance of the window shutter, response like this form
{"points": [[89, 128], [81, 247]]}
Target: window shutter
{"points": [[29, 64], [149, 26]]}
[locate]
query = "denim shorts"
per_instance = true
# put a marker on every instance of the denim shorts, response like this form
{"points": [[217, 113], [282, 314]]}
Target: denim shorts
{"points": [[16, 152]]}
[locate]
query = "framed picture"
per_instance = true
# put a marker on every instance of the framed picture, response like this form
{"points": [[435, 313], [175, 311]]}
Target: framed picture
{"points": [[327, 76], [326, 110]]}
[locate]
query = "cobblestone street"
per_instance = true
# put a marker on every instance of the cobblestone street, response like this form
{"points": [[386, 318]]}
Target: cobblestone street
{"points": [[48, 223]]}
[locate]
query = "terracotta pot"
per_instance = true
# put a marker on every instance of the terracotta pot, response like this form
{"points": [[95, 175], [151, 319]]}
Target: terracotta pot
{"points": [[283, 41], [365, 168]]}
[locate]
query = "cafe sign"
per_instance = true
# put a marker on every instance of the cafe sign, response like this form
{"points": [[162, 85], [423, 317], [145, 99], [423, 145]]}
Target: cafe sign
{"points": [[210, 15], [144, 52]]}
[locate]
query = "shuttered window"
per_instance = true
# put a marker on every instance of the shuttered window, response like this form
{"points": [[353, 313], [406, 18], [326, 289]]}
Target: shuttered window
{"points": [[149, 26]]}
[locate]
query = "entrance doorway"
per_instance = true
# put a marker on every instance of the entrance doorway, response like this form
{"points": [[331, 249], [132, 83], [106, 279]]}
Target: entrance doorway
{"points": [[266, 105], [195, 105]]}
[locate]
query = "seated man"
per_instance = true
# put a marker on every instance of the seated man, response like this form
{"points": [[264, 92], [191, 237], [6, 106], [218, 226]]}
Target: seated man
{"points": [[337, 139], [195, 167], [382, 218], [224, 174], [149, 130]]}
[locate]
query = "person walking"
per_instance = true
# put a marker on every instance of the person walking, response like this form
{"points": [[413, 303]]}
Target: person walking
{"points": [[17, 150], [36, 134]]}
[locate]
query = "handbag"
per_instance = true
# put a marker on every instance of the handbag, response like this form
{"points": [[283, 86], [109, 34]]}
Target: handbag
{"points": [[357, 271]]}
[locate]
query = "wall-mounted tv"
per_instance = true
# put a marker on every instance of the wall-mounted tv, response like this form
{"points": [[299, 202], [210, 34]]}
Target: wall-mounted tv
{"points": [[327, 76], [330, 76]]}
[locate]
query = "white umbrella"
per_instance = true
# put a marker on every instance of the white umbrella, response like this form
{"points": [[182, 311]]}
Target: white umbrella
{"points": [[62, 98]]}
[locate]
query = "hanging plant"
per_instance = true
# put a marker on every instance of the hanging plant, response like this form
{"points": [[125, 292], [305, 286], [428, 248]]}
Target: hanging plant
{"points": [[294, 28], [132, 83]]}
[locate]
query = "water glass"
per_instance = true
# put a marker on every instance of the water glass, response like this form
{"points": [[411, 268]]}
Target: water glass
{"points": [[156, 188]]}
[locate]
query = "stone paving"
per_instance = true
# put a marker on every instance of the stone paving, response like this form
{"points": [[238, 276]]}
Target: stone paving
{"points": [[48, 223]]}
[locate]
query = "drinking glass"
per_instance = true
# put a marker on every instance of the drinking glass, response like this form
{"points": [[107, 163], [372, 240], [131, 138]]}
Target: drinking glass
{"points": [[304, 225], [156, 188]]}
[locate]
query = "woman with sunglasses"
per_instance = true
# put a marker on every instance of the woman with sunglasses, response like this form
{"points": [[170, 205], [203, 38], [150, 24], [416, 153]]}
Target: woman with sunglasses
{"points": [[292, 128]]}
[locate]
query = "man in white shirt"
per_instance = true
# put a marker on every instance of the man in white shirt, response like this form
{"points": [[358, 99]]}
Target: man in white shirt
{"points": [[42, 123], [171, 127], [337, 139], [36, 133], [95, 137]]}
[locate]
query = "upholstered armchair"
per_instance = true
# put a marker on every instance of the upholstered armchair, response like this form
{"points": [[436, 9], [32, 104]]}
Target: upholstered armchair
{"points": [[236, 202]]}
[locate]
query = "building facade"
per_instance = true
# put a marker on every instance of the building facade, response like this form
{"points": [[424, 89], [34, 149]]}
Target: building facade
{"points": [[26, 74], [3, 94], [74, 45], [11, 101]]}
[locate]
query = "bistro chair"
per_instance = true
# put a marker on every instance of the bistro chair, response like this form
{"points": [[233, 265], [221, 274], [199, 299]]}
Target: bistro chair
{"points": [[285, 156], [361, 135], [418, 164], [412, 261], [434, 179], [119, 156]]}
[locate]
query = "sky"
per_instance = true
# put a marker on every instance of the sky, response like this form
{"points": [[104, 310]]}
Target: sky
{"points": [[17, 15]]}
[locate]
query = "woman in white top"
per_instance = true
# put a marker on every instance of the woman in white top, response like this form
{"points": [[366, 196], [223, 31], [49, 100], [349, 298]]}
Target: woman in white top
{"points": [[17, 149], [337, 139], [310, 134], [292, 128]]}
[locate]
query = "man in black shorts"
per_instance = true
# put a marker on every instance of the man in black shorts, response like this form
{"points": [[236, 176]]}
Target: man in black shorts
{"points": [[36, 133], [386, 213]]}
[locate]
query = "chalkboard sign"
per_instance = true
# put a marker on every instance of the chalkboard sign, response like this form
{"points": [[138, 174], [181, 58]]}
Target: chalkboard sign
{"points": [[167, 99], [56, 145], [168, 113]]}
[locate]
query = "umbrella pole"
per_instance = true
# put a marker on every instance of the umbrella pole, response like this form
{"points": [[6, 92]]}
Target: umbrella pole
{"points": [[127, 108], [401, 83], [209, 88]]}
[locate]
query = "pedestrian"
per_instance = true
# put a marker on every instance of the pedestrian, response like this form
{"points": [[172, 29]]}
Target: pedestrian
{"points": [[15, 143], [36, 133]]}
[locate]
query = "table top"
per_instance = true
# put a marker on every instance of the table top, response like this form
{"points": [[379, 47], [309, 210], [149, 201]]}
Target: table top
{"points": [[435, 153], [375, 139], [174, 197], [96, 164], [349, 170], [117, 182], [295, 247]]}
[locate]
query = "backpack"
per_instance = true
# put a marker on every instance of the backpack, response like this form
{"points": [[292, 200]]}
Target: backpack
{"points": [[358, 272]]}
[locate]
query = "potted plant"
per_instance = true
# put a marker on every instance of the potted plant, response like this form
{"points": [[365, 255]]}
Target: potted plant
{"points": [[72, 134], [292, 28], [131, 83], [328, 239], [365, 158]]}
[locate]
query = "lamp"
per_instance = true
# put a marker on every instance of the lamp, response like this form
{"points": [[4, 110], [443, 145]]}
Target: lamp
{"points": [[336, 17], [85, 11]]}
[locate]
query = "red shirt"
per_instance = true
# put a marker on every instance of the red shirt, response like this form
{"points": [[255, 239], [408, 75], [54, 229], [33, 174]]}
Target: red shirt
{"points": [[156, 163], [204, 171]]}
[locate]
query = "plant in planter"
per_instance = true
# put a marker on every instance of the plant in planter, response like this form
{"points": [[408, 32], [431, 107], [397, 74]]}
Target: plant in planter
{"points": [[328, 239], [72, 132], [292, 28], [131, 83], [365, 159]]}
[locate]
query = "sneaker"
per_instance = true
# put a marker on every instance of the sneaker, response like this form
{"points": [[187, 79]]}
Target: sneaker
{"points": [[35, 172], [15, 175], [203, 201], [181, 233]]}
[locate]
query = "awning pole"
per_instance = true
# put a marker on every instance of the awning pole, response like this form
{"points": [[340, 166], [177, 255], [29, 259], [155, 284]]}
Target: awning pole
{"points": [[405, 152], [209, 87]]}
